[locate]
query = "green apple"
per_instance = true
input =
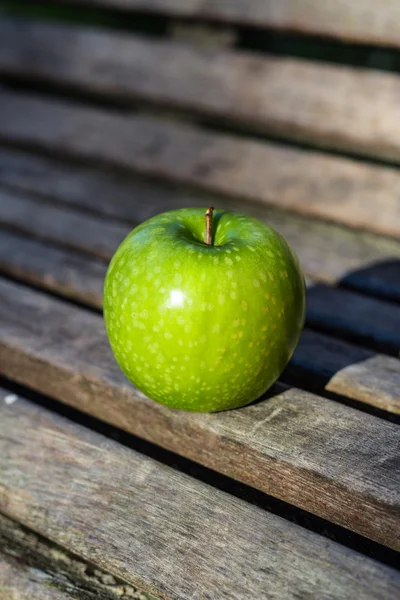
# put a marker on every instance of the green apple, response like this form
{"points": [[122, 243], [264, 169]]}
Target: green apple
{"points": [[203, 313]]}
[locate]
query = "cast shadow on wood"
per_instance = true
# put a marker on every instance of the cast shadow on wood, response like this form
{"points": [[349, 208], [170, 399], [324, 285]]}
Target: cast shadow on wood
{"points": [[368, 327]]}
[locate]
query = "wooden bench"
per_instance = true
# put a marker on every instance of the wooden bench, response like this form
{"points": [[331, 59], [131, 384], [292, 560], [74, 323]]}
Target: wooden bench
{"points": [[110, 112]]}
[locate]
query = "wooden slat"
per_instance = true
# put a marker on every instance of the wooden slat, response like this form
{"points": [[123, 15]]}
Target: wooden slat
{"points": [[161, 530], [326, 105], [299, 447], [62, 569], [21, 582], [359, 317], [55, 269], [320, 362], [364, 21], [241, 168], [94, 235], [327, 252], [365, 319]]}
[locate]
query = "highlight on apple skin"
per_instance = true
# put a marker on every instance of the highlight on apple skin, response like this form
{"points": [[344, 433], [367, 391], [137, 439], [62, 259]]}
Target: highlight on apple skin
{"points": [[203, 309]]}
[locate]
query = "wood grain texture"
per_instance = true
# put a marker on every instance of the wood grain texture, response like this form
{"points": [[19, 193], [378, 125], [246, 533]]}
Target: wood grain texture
{"points": [[364, 21], [323, 363], [161, 529], [320, 362], [299, 447], [268, 173], [20, 582], [60, 568], [321, 104], [327, 252], [367, 320], [55, 269], [92, 234], [364, 319]]}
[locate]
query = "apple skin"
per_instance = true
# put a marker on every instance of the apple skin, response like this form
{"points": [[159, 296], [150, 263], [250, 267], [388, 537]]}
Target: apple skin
{"points": [[203, 328]]}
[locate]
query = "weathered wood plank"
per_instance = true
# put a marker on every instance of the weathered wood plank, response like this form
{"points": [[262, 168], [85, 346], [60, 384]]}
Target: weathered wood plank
{"points": [[364, 21], [358, 317], [323, 363], [93, 234], [55, 269], [161, 529], [299, 447], [321, 104], [368, 320], [241, 168], [60, 568], [21, 582], [327, 252], [320, 362]]}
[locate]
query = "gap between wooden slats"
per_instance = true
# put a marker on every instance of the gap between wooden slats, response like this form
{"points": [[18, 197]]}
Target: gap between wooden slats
{"points": [[364, 21], [337, 310], [301, 448], [179, 538], [321, 363], [339, 189], [326, 105]]}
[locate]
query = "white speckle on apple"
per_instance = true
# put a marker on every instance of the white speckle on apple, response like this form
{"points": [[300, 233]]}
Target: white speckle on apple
{"points": [[216, 328], [228, 260], [215, 260], [237, 257], [271, 276], [221, 299], [229, 274], [233, 295], [168, 335], [256, 283], [244, 306]]}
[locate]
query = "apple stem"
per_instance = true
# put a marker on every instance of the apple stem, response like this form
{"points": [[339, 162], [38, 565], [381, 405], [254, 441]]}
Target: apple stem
{"points": [[209, 220]]}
